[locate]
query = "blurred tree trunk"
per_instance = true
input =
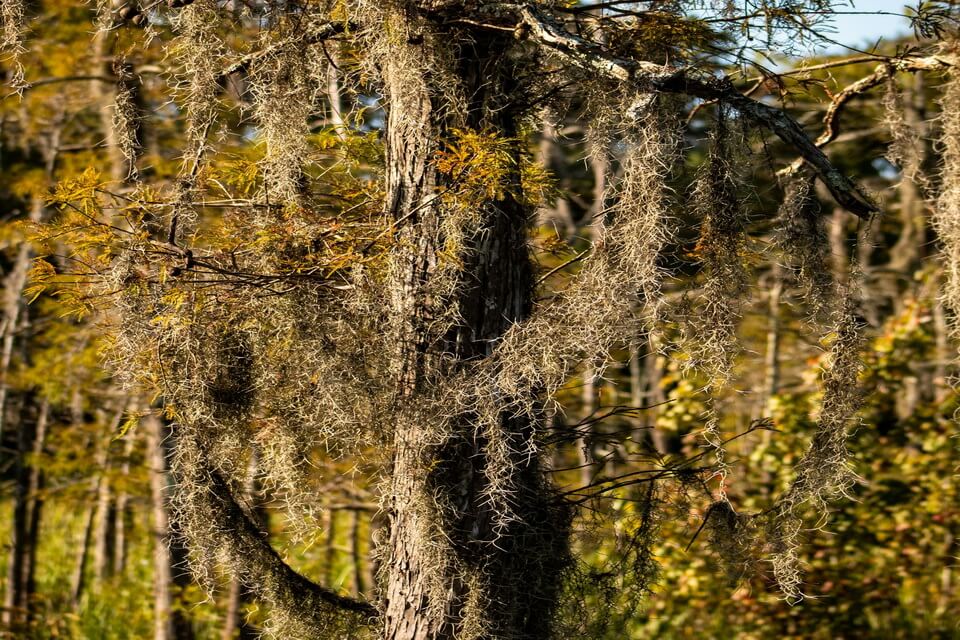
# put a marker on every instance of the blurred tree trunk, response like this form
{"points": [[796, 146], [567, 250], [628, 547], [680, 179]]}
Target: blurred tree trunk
{"points": [[839, 255], [330, 552], [14, 316], [35, 505], [910, 248], [593, 233], [96, 516], [122, 509], [771, 363], [559, 216], [645, 391], [335, 98], [31, 434], [12, 305], [235, 626], [235, 623], [26, 518], [944, 352], [359, 583], [103, 532], [169, 556], [79, 580]]}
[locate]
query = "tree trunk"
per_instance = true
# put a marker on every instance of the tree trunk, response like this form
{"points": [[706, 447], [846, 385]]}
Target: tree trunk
{"points": [[645, 392], [588, 400], [35, 505], [452, 572], [943, 350], [13, 305], [359, 585], [104, 528], [103, 535], [168, 553], [97, 530], [910, 247], [122, 512], [771, 363], [331, 544], [334, 98], [839, 256], [235, 623], [26, 515], [593, 232], [104, 94], [79, 580], [559, 215]]}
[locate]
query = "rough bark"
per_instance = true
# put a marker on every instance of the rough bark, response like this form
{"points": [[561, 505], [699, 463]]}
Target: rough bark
{"points": [[487, 574]]}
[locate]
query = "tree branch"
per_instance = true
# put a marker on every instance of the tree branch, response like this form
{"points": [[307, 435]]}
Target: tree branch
{"points": [[325, 32], [648, 77], [831, 119], [264, 570]]}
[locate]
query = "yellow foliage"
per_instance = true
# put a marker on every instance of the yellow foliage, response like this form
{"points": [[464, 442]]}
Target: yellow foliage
{"points": [[483, 166], [479, 164]]}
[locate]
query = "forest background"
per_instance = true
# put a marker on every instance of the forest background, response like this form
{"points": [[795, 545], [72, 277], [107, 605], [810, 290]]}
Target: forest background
{"points": [[83, 460]]}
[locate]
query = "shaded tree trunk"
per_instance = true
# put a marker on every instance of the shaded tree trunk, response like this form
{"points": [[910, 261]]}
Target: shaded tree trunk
{"points": [[35, 506], [331, 545], [25, 519]]}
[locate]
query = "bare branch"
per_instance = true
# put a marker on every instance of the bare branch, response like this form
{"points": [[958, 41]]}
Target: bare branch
{"points": [[268, 573], [648, 77], [831, 119]]}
